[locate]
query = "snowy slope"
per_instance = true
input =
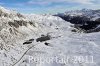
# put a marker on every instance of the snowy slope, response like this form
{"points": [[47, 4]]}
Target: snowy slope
{"points": [[13, 29], [19, 36], [85, 19]]}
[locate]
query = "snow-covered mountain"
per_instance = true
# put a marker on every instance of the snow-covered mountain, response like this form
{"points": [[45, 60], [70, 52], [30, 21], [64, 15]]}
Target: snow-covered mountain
{"points": [[92, 14], [24, 38], [86, 19]]}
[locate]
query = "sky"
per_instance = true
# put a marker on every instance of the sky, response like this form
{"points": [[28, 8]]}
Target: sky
{"points": [[48, 6]]}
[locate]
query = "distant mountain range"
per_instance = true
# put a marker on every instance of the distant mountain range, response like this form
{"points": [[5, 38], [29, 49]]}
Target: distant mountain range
{"points": [[86, 19]]}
